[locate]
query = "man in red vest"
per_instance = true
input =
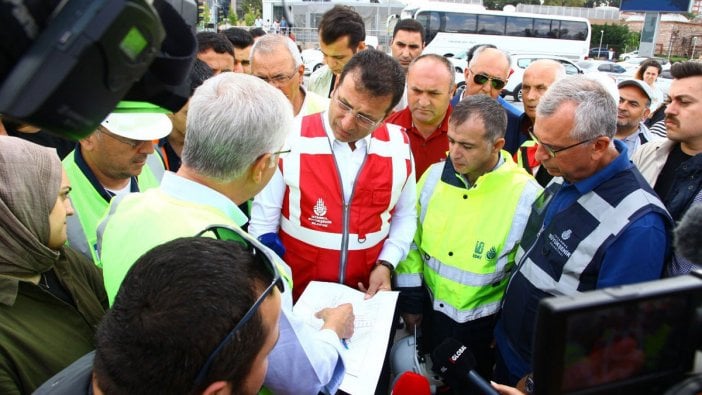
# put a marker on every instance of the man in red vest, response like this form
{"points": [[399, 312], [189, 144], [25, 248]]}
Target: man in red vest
{"points": [[341, 207]]}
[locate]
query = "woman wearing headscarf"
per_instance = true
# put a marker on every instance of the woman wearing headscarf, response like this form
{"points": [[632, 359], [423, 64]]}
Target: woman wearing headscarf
{"points": [[51, 297]]}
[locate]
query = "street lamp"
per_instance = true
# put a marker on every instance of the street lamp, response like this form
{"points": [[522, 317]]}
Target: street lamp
{"points": [[599, 51]]}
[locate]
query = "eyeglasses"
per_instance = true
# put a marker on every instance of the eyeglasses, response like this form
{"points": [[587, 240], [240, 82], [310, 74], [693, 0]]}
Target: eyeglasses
{"points": [[553, 151], [130, 142], [279, 79], [362, 120], [262, 255], [482, 79], [277, 154]]}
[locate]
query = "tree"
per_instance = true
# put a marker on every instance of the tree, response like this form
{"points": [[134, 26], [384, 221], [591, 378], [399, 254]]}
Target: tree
{"points": [[615, 36]]}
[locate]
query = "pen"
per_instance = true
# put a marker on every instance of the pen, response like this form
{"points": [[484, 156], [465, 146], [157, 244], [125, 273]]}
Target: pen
{"points": [[346, 346]]}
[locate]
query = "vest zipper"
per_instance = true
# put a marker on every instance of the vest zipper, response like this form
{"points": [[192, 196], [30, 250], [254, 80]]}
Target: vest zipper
{"points": [[522, 262], [343, 258]]}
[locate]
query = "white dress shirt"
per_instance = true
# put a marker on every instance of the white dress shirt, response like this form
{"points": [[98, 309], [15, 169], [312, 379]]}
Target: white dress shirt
{"points": [[265, 212]]}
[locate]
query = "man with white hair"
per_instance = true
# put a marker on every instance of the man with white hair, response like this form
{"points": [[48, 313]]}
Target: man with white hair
{"points": [[598, 223], [237, 127], [276, 60]]}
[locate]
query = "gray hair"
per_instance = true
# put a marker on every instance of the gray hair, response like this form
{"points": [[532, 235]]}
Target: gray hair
{"points": [[271, 43], [233, 119], [481, 49], [595, 112], [485, 108]]}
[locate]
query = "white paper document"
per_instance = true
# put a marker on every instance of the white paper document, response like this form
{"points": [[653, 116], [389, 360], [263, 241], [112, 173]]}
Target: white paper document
{"points": [[372, 326]]}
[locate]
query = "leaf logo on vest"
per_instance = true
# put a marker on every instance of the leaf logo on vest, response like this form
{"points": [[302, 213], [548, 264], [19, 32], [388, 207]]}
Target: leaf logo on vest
{"points": [[491, 254], [319, 218], [559, 244]]}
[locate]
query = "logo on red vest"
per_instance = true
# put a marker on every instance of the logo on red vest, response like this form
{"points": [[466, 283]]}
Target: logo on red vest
{"points": [[319, 218]]}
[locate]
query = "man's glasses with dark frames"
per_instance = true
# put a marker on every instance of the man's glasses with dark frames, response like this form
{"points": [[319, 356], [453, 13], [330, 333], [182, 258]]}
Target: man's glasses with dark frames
{"points": [[222, 232], [362, 120], [553, 151], [482, 79]]}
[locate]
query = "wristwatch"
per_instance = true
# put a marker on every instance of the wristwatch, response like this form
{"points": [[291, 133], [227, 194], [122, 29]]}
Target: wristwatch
{"points": [[386, 264], [529, 384]]}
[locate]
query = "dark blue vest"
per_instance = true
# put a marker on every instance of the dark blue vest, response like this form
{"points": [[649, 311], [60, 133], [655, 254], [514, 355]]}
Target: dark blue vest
{"points": [[565, 257]]}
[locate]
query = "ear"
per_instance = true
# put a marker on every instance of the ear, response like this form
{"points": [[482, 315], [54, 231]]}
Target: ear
{"points": [[601, 146], [218, 388], [259, 167], [89, 142], [498, 145], [301, 72], [361, 46], [646, 113]]}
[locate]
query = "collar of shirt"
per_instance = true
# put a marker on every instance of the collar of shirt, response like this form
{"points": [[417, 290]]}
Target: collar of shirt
{"points": [[362, 143], [191, 191], [570, 192], [462, 177]]}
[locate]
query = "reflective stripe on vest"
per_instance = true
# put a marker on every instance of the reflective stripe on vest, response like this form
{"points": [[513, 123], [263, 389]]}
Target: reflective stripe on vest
{"points": [[314, 214], [466, 265], [612, 220]]}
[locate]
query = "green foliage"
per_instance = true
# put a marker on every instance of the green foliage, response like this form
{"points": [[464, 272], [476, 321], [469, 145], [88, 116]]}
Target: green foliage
{"points": [[615, 36], [233, 19]]}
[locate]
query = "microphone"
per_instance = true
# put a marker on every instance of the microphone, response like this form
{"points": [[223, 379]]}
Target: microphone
{"points": [[411, 383], [453, 360], [688, 235]]}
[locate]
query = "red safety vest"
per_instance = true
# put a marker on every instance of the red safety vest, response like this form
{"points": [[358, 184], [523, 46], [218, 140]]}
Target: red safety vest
{"points": [[324, 239]]}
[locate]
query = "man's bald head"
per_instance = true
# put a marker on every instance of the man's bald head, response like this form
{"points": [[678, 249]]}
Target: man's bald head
{"points": [[538, 77]]}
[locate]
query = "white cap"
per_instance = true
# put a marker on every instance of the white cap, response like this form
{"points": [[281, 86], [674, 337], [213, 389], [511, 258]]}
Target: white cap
{"points": [[142, 126], [639, 84]]}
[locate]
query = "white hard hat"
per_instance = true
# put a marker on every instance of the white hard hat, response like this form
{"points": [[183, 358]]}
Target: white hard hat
{"points": [[141, 126]]}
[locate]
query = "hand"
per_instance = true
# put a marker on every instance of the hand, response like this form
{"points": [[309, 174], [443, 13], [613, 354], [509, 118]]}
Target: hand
{"points": [[379, 281], [412, 321], [505, 389], [339, 319]]}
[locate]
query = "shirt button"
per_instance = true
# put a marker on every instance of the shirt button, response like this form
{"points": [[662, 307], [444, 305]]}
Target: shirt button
{"points": [[450, 253], [465, 196]]}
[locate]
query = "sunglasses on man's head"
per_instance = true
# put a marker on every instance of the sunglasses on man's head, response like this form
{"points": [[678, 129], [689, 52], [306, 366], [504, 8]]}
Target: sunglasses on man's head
{"points": [[264, 257], [482, 79]]}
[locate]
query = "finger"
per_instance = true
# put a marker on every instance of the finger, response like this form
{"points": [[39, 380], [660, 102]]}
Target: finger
{"points": [[361, 287], [372, 290]]}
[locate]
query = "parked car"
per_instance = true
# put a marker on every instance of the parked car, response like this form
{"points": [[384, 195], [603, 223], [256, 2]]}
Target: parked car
{"points": [[520, 63], [628, 55], [597, 53], [312, 59], [614, 70]]}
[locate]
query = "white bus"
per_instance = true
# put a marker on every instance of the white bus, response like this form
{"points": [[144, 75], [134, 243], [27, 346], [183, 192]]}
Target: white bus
{"points": [[453, 28]]}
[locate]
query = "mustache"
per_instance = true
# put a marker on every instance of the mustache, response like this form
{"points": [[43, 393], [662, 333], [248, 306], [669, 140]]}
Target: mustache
{"points": [[672, 119]]}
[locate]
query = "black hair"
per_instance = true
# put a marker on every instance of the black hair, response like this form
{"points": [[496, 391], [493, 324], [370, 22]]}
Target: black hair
{"points": [[342, 21], [686, 69], [214, 41], [410, 25], [376, 73], [257, 32], [174, 307], [487, 109], [240, 38]]}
